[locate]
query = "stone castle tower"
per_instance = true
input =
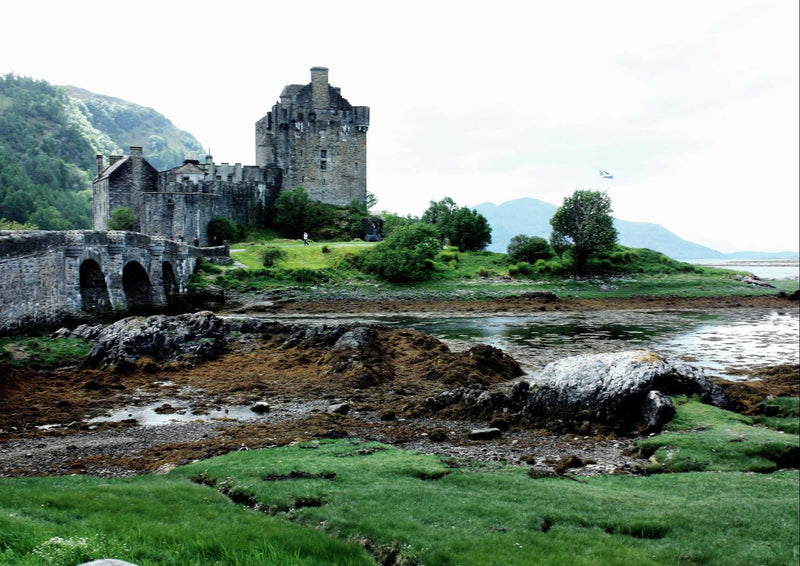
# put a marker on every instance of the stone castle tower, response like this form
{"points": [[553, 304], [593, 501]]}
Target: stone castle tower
{"points": [[318, 139], [313, 138]]}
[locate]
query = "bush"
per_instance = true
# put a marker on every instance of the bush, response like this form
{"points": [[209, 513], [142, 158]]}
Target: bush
{"points": [[221, 229], [405, 256], [326, 249], [270, 256], [522, 269], [121, 218], [528, 249]]}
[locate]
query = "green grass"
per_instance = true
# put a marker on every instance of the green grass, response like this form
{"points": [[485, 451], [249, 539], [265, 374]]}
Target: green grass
{"points": [[436, 515], [149, 520], [411, 506], [641, 272], [42, 351], [702, 437], [781, 413]]}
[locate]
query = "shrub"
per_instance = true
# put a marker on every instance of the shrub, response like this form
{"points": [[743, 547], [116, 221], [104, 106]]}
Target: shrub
{"points": [[528, 249], [221, 229], [270, 256], [483, 272], [522, 269], [405, 256], [205, 266], [122, 218], [326, 249]]}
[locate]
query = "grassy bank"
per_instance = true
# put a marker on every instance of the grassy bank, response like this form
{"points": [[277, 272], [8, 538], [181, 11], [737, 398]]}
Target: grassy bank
{"points": [[326, 268]]}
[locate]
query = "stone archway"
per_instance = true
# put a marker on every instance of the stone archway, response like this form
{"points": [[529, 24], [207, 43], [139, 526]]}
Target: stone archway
{"points": [[170, 281], [137, 287], [94, 291]]}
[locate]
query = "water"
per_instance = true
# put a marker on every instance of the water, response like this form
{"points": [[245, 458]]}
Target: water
{"points": [[147, 414], [763, 268], [716, 340]]}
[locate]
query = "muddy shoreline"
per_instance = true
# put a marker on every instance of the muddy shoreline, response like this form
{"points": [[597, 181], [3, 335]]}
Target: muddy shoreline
{"points": [[46, 425]]}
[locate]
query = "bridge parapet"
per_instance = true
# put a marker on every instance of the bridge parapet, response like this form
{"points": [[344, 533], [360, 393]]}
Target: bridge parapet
{"points": [[48, 275]]}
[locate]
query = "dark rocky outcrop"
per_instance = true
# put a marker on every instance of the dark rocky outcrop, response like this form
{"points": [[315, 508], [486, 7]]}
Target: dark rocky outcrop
{"points": [[186, 338], [623, 391]]}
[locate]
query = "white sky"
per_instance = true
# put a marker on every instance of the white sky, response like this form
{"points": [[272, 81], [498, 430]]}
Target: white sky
{"points": [[692, 105]]}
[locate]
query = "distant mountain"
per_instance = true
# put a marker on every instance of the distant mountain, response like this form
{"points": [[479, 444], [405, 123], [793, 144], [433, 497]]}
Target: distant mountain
{"points": [[49, 136], [532, 217]]}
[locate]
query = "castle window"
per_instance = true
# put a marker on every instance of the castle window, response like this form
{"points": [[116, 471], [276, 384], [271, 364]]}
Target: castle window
{"points": [[323, 165], [323, 153]]}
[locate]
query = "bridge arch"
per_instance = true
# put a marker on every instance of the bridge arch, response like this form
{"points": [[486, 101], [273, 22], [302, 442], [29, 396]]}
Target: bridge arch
{"points": [[137, 287], [93, 288], [169, 279]]}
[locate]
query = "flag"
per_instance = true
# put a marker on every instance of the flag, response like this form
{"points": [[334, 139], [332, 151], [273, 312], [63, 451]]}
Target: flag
{"points": [[606, 174]]}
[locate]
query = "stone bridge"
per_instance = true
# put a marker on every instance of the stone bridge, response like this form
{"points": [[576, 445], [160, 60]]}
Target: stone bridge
{"points": [[46, 277]]}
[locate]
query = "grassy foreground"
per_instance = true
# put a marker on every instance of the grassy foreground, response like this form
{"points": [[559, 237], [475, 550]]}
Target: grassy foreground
{"points": [[324, 501]]}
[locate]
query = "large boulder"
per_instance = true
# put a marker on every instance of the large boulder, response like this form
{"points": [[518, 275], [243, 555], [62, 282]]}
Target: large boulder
{"points": [[186, 338], [624, 390]]}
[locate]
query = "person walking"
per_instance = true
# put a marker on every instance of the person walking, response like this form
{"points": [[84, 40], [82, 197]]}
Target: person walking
{"points": [[305, 239]]}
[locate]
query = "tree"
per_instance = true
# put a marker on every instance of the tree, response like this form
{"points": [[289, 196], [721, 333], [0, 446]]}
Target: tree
{"points": [[528, 248], [468, 230], [406, 255], [220, 229], [462, 227], [296, 213], [121, 218], [583, 224]]}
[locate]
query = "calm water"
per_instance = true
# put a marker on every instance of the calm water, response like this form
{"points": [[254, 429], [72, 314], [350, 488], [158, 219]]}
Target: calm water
{"points": [[712, 339], [763, 268]]}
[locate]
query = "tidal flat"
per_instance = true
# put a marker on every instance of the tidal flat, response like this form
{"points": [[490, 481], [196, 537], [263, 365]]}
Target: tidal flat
{"points": [[445, 498]]}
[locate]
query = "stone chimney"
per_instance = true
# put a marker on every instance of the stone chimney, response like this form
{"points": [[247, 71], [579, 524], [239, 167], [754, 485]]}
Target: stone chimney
{"points": [[113, 159], [319, 87], [100, 165], [136, 168]]}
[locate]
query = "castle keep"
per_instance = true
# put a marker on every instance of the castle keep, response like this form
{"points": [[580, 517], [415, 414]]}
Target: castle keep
{"points": [[312, 138]]}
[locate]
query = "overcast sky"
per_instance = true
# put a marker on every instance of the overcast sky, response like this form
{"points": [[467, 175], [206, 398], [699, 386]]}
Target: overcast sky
{"points": [[691, 105]]}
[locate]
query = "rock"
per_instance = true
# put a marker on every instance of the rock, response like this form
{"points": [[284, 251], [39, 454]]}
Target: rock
{"points": [[260, 408], [539, 472], [186, 338], [615, 389], [753, 280], [657, 409], [485, 434], [338, 409]]}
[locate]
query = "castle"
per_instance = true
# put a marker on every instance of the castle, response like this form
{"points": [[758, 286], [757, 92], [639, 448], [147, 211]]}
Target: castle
{"points": [[312, 138]]}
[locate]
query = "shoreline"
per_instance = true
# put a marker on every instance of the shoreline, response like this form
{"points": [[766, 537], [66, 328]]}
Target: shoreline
{"points": [[517, 304]]}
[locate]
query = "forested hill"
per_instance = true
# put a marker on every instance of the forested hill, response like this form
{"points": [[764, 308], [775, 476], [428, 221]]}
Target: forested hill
{"points": [[49, 136]]}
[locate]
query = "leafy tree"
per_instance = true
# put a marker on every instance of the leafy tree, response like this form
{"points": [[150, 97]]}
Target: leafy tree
{"points": [[468, 230], [438, 214], [372, 201], [121, 218], [583, 225], [528, 249], [392, 222], [221, 229], [296, 213], [11, 225], [406, 255], [462, 227]]}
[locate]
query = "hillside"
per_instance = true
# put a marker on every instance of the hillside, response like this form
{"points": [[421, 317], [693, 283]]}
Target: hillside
{"points": [[49, 136], [532, 217]]}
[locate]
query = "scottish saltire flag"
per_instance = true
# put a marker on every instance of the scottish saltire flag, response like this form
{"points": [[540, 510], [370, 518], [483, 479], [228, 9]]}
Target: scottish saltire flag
{"points": [[606, 174]]}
